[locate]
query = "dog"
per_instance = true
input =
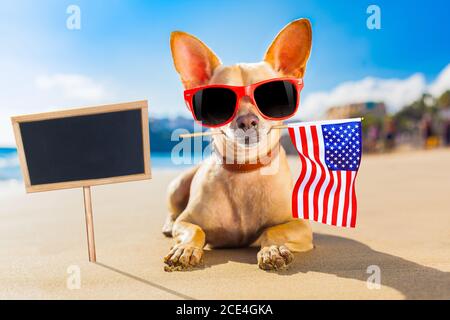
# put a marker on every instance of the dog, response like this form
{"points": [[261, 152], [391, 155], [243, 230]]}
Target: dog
{"points": [[226, 205]]}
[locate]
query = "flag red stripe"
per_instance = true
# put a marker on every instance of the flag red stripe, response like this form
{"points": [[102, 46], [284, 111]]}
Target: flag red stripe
{"points": [[326, 197], [300, 179], [353, 220], [304, 156], [336, 199], [322, 175], [348, 181], [311, 177]]}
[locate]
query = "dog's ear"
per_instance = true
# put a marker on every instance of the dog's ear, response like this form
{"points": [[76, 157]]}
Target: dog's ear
{"points": [[193, 60], [290, 50]]}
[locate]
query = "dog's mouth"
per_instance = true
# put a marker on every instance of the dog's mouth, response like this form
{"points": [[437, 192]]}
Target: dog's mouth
{"points": [[246, 138], [245, 145]]}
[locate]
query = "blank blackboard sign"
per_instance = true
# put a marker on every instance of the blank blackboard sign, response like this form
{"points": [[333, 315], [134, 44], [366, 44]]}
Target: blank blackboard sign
{"points": [[84, 147]]}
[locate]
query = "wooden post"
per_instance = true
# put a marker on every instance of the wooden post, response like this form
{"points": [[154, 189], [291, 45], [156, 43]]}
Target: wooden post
{"points": [[200, 134], [89, 223]]}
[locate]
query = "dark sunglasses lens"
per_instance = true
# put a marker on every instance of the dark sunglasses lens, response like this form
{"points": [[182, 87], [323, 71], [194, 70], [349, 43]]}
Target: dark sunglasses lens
{"points": [[276, 99], [214, 106]]}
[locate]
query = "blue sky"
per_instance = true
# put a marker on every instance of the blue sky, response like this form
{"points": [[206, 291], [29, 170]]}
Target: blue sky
{"points": [[122, 50]]}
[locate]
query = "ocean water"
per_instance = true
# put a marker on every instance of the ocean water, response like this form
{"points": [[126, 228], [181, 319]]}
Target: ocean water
{"points": [[10, 169], [9, 165]]}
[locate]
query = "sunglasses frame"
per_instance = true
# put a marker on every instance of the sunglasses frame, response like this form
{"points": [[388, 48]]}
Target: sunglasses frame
{"points": [[240, 92]]}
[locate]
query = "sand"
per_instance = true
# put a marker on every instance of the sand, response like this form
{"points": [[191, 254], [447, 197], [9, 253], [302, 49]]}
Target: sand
{"points": [[403, 228]]}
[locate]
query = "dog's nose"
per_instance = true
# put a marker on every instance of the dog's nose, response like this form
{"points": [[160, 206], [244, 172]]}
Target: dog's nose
{"points": [[248, 121]]}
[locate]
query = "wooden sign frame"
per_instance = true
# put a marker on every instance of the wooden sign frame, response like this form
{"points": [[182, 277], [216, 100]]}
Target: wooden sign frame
{"points": [[85, 184], [16, 121]]}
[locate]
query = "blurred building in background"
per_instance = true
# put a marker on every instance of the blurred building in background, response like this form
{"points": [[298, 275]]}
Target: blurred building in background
{"points": [[376, 109], [375, 128]]}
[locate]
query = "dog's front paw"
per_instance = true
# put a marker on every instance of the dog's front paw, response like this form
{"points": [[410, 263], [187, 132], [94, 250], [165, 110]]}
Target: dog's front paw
{"points": [[274, 258], [182, 257]]}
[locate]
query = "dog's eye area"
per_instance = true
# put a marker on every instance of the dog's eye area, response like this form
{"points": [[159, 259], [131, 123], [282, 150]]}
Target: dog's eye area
{"points": [[276, 99], [214, 106]]}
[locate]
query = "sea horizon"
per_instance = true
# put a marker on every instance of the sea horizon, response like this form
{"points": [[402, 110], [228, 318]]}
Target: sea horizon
{"points": [[10, 167]]}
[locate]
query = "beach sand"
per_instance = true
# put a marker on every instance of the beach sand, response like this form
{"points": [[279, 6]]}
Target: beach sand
{"points": [[403, 227]]}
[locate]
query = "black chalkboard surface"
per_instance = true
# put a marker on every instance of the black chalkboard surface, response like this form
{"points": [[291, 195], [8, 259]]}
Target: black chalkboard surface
{"points": [[80, 146], [84, 147]]}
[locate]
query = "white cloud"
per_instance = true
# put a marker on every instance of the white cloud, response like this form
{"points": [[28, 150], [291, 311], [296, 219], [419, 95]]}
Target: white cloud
{"points": [[442, 83], [396, 93], [71, 86], [26, 89]]}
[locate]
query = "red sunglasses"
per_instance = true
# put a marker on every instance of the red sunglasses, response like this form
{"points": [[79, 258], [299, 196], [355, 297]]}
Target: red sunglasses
{"points": [[216, 105]]}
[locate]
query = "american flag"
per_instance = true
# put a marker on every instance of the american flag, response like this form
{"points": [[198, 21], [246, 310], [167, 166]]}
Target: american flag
{"points": [[330, 153]]}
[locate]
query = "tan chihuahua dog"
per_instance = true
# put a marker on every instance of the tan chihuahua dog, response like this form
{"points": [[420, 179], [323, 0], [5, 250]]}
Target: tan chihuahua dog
{"points": [[225, 205]]}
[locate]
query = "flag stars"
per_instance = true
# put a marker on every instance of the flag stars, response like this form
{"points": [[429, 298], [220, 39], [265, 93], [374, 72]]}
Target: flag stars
{"points": [[342, 146]]}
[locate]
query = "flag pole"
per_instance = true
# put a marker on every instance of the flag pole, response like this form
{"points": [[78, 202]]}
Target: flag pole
{"points": [[282, 126], [199, 134]]}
